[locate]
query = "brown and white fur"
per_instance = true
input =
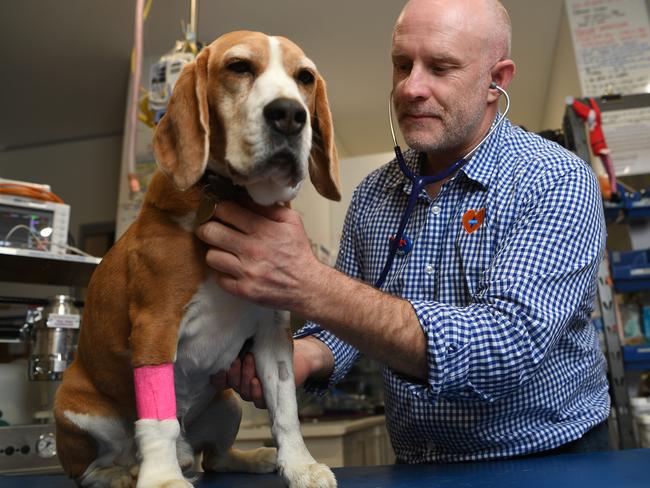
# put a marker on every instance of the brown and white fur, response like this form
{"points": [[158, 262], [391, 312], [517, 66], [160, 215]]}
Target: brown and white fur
{"points": [[152, 301]]}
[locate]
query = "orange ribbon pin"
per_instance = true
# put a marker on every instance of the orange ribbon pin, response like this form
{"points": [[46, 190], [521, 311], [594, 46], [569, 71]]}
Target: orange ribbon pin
{"points": [[472, 219]]}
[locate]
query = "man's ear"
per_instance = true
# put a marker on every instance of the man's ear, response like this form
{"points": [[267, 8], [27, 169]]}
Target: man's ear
{"points": [[502, 74], [181, 142], [324, 160]]}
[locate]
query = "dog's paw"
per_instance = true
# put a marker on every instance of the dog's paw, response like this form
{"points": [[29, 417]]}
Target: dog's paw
{"points": [[184, 454], [112, 477], [124, 480], [313, 475], [170, 483], [261, 460], [264, 459], [162, 479], [176, 484]]}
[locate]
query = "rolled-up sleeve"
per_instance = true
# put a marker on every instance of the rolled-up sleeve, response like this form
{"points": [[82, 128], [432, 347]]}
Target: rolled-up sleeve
{"points": [[539, 282]]}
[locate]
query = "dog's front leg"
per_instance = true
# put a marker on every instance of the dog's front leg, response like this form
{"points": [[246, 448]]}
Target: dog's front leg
{"points": [[157, 428], [155, 313], [273, 350]]}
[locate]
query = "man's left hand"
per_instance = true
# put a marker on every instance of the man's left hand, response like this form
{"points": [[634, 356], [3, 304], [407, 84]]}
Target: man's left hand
{"points": [[260, 253]]}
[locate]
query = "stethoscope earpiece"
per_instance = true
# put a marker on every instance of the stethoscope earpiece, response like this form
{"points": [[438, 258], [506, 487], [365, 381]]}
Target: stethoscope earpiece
{"points": [[419, 182]]}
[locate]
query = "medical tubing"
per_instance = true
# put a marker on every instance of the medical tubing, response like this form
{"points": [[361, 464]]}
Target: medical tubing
{"points": [[394, 243], [131, 134], [417, 184]]}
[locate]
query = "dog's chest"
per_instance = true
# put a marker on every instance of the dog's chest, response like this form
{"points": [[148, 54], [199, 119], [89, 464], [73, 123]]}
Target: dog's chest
{"points": [[212, 332]]}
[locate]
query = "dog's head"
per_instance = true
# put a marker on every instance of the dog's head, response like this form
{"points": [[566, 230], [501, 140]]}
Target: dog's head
{"points": [[253, 108]]}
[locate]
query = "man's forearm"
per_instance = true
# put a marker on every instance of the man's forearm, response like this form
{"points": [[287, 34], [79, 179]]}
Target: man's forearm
{"points": [[267, 259], [318, 359], [381, 326]]}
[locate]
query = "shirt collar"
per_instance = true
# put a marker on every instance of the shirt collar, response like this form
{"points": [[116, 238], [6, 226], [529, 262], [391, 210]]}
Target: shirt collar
{"points": [[480, 168]]}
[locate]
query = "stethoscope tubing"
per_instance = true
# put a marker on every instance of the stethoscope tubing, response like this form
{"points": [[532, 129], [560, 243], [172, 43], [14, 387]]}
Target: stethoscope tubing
{"points": [[418, 183]]}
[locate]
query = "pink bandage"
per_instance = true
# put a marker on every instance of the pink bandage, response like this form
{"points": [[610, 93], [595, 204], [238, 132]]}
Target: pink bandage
{"points": [[155, 397]]}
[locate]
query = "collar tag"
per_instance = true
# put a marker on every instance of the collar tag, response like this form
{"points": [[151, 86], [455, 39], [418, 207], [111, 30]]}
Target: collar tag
{"points": [[206, 208]]}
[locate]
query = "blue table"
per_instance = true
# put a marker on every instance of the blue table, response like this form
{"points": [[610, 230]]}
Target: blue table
{"points": [[614, 469]]}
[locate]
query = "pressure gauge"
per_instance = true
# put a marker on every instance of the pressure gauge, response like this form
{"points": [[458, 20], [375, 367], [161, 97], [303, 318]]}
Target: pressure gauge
{"points": [[46, 446]]}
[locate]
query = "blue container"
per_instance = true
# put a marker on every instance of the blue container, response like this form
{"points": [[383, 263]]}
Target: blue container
{"points": [[631, 270]]}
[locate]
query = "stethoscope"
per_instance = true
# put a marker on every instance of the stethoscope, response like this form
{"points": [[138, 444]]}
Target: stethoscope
{"points": [[418, 183]]}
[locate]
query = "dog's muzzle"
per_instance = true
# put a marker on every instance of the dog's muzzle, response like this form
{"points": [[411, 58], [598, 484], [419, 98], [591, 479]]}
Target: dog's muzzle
{"points": [[286, 117]]}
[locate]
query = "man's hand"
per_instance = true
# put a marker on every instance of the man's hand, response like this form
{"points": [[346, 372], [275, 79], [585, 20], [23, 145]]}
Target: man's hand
{"points": [[310, 358], [261, 254]]}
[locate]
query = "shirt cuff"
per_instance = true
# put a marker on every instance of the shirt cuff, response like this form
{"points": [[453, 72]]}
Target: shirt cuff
{"points": [[344, 355], [320, 386], [448, 352]]}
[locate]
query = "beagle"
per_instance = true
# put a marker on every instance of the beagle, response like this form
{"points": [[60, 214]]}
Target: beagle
{"points": [[136, 404]]}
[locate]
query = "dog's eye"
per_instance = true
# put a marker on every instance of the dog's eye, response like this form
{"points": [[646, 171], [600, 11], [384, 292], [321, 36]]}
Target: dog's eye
{"points": [[305, 77], [240, 67]]}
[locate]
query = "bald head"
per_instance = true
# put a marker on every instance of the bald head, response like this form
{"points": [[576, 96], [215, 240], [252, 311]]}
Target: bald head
{"points": [[446, 54], [502, 32], [487, 20]]}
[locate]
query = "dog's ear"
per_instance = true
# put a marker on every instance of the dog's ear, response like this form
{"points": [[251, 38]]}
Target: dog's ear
{"points": [[324, 160], [181, 142]]}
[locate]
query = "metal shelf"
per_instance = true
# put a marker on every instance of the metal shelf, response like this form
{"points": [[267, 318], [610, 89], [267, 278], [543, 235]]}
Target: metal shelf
{"points": [[27, 266], [616, 367]]}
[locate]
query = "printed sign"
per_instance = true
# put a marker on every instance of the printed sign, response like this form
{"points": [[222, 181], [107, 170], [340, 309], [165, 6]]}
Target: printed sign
{"points": [[611, 39]]}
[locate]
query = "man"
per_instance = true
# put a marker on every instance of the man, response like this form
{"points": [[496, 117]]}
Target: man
{"points": [[483, 329]]}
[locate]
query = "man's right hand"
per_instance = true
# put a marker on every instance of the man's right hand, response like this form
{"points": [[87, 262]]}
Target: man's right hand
{"points": [[310, 358]]}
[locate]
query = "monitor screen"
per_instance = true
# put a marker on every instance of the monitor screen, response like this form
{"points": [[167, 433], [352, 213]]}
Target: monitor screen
{"points": [[25, 228]]}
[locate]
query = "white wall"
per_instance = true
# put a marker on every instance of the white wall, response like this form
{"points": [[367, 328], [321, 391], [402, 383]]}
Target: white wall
{"points": [[315, 213], [564, 79], [84, 174], [353, 170]]}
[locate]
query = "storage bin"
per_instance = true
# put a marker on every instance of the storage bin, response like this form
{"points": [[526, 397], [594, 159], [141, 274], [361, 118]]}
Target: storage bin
{"points": [[631, 270]]}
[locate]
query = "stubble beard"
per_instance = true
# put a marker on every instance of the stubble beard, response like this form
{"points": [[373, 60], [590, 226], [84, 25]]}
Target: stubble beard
{"points": [[452, 134]]}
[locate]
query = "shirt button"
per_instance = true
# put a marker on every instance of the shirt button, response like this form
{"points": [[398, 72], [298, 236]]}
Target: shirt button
{"points": [[429, 269], [435, 210]]}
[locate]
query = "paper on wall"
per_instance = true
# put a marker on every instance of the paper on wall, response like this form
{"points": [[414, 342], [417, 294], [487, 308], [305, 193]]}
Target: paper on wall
{"points": [[628, 137], [611, 39]]}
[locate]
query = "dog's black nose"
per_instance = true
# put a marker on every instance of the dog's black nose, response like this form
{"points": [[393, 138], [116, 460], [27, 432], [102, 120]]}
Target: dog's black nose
{"points": [[285, 115]]}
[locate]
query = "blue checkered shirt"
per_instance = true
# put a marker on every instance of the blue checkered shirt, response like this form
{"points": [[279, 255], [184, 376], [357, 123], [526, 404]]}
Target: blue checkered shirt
{"points": [[514, 360]]}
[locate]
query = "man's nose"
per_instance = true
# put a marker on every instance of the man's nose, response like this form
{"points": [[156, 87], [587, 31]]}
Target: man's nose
{"points": [[417, 84]]}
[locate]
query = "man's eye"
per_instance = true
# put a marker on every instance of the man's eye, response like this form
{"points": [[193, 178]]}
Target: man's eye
{"points": [[401, 67], [305, 77], [240, 67], [440, 69]]}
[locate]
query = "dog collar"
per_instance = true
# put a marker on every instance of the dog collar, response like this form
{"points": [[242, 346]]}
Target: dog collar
{"points": [[219, 186], [214, 189]]}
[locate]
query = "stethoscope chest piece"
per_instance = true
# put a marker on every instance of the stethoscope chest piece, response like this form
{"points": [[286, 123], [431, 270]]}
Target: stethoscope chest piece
{"points": [[404, 246]]}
